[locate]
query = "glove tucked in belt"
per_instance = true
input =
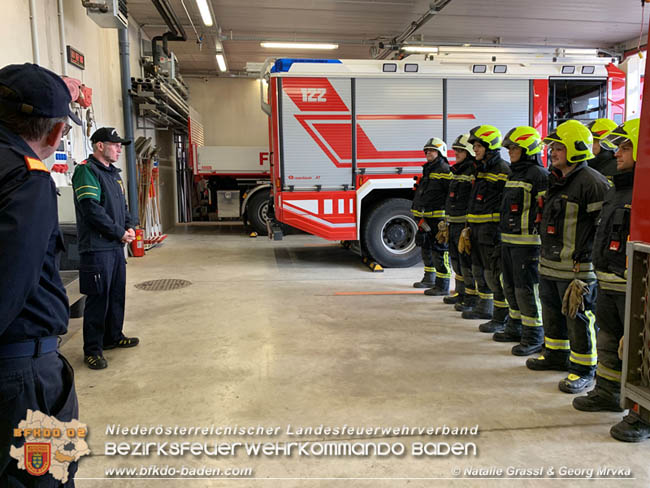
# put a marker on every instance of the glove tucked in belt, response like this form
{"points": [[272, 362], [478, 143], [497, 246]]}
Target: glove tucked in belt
{"points": [[573, 300]]}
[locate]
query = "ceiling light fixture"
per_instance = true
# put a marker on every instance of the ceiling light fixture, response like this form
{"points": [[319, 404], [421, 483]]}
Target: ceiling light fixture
{"points": [[420, 49], [221, 62], [205, 12], [297, 45]]}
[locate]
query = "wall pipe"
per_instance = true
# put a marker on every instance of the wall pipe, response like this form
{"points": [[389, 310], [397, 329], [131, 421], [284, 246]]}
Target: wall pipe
{"points": [[64, 64], [32, 24], [127, 109]]}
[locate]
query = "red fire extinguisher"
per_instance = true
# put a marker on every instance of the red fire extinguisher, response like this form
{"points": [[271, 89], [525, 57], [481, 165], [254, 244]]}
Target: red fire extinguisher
{"points": [[137, 245]]}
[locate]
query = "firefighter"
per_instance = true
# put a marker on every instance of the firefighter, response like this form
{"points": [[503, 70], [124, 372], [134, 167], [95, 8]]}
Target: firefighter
{"points": [[567, 283], [610, 261], [603, 161], [456, 216], [521, 242], [429, 206], [483, 217]]}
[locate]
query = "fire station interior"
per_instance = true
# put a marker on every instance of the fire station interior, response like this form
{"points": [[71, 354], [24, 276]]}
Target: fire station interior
{"points": [[249, 323]]}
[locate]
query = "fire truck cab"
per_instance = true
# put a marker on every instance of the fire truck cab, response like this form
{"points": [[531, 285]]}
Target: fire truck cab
{"points": [[346, 136]]}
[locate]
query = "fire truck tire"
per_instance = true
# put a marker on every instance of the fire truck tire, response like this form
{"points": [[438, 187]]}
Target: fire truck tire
{"points": [[257, 211], [389, 234]]}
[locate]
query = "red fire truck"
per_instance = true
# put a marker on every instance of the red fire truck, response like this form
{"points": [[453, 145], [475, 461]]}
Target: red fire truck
{"points": [[346, 136]]}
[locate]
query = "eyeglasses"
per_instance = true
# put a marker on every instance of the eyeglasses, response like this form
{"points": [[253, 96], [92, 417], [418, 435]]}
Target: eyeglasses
{"points": [[66, 130]]}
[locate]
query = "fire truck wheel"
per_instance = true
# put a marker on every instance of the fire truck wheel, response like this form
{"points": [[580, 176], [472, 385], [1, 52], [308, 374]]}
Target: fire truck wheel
{"points": [[389, 234], [257, 210]]}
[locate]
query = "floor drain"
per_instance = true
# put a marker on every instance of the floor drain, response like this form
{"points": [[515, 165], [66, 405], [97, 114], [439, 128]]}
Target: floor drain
{"points": [[163, 285]]}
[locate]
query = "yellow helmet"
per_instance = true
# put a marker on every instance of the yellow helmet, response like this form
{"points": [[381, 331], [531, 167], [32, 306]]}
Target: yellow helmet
{"points": [[599, 129], [488, 135], [525, 137], [576, 138], [627, 131], [462, 142]]}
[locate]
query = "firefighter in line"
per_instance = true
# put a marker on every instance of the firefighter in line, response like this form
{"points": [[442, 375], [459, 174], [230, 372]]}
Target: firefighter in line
{"points": [[604, 160], [483, 217], [521, 241], [610, 261], [460, 188], [568, 283], [429, 206]]}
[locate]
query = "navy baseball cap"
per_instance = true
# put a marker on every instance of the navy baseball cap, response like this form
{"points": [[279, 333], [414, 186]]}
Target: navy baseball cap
{"points": [[108, 134], [36, 91]]}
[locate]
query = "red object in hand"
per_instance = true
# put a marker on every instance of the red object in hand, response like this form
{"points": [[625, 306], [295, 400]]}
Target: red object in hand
{"points": [[137, 246]]}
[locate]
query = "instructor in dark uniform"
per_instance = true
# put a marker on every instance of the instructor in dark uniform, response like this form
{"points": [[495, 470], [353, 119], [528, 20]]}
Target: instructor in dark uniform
{"points": [[34, 112], [104, 225]]}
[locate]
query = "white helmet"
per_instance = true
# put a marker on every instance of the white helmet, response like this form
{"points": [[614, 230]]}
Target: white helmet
{"points": [[437, 144], [462, 142]]}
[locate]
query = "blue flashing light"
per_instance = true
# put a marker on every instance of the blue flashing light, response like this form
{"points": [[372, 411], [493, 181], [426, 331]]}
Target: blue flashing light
{"points": [[60, 156], [284, 65]]}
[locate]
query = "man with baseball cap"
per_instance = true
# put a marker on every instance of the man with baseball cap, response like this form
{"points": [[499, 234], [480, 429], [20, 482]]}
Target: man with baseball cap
{"points": [[34, 113], [104, 225]]}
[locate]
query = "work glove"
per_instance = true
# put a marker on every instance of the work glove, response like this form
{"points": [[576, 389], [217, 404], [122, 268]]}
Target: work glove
{"points": [[443, 232], [620, 349], [573, 300], [464, 243]]}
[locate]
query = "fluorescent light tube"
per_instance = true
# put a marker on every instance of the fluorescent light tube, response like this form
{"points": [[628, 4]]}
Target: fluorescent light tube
{"points": [[297, 45], [420, 49], [205, 12], [221, 62]]}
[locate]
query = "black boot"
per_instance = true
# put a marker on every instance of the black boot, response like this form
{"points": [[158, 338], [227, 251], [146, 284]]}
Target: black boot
{"points": [[631, 429], [441, 288], [428, 281], [511, 333], [549, 360], [453, 298], [469, 301], [597, 400], [532, 341], [492, 326], [482, 310]]}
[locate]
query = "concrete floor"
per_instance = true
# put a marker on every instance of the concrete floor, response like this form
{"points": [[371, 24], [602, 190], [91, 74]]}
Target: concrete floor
{"points": [[262, 338]]}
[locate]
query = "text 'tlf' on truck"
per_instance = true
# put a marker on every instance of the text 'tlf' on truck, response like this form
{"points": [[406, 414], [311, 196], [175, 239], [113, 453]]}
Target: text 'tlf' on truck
{"points": [[346, 136]]}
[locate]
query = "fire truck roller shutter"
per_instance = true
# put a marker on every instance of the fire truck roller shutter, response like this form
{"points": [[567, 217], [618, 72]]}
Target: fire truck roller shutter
{"points": [[388, 234], [502, 103]]}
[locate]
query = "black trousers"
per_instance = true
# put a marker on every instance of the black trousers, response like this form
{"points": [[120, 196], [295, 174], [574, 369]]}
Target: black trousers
{"points": [[435, 256], [44, 383], [521, 283], [564, 336], [610, 319], [102, 277], [486, 255]]}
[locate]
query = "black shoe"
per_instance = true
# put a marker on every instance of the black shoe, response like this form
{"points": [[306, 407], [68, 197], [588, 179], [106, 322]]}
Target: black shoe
{"points": [[526, 349], [427, 281], [631, 429], [474, 315], [543, 364], [576, 384], [594, 402], [436, 292], [505, 336], [95, 362], [452, 299], [124, 342], [492, 326], [461, 307]]}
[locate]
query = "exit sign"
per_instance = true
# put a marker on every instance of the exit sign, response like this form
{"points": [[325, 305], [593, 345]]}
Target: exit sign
{"points": [[76, 58]]}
